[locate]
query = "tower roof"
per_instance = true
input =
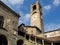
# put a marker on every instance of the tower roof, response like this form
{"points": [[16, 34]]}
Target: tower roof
{"points": [[37, 0]]}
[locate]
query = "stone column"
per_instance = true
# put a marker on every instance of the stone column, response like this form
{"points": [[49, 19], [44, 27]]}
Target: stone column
{"points": [[25, 35], [52, 43], [35, 41], [29, 37], [42, 42], [24, 39]]}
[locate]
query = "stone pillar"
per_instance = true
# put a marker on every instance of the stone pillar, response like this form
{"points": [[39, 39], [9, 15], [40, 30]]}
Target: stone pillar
{"points": [[9, 42], [24, 38], [52, 43], [25, 35], [35, 41], [42, 42], [29, 37]]}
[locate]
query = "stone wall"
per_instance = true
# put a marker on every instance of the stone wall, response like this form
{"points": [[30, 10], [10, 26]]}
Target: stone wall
{"points": [[52, 34], [10, 25]]}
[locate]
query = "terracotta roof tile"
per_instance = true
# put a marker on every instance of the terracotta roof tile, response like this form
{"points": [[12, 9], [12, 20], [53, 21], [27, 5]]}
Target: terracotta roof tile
{"points": [[55, 39]]}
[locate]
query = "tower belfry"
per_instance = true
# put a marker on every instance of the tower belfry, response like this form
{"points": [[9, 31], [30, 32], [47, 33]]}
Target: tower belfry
{"points": [[36, 16]]}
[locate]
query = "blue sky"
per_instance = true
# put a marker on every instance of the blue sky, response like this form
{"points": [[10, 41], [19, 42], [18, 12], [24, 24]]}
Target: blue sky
{"points": [[50, 10]]}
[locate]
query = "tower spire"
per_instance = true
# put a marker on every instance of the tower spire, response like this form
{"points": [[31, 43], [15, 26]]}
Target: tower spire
{"points": [[37, 1]]}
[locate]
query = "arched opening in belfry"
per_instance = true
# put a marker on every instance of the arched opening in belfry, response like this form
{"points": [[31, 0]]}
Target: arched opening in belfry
{"points": [[3, 40], [20, 42], [34, 7]]}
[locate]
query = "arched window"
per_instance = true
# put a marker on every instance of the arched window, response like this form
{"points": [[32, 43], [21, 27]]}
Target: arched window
{"points": [[20, 42], [34, 7], [3, 40], [1, 21]]}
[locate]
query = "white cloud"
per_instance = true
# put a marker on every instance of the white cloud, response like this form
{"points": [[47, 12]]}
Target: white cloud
{"points": [[21, 18], [56, 2], [24, 18], [20, 21], [48, 7], [27, 17], [13, 2], [51, 26]]}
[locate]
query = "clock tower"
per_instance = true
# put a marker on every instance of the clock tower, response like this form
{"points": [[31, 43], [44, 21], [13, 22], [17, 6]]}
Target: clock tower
{"points": [[36, 16]]}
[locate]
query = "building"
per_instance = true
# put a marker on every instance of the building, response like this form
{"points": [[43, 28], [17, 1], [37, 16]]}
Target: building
{"points": [[8, 25], [53, 36], [11, 34], [34, 34]]}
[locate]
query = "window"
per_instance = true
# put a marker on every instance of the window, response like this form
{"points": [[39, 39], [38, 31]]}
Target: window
{"points": [[3, 40], [20, 42], [34, 7], [1, 21]]}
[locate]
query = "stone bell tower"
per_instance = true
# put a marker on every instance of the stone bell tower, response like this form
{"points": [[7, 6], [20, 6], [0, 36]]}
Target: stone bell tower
{"points": [[36, 16]]}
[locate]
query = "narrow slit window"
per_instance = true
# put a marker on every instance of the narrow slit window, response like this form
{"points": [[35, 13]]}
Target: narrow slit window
{"points": [[1, 21]]}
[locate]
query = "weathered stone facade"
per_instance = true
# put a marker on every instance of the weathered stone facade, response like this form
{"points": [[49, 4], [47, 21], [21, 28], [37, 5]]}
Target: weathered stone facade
{"points": [[36, 16], [31, 38], [9, 27], [34, 34], [53, 33], [11, 34]]}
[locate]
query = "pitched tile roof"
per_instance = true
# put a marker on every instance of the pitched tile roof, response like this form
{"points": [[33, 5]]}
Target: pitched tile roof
{"points": [[54, 39]]}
